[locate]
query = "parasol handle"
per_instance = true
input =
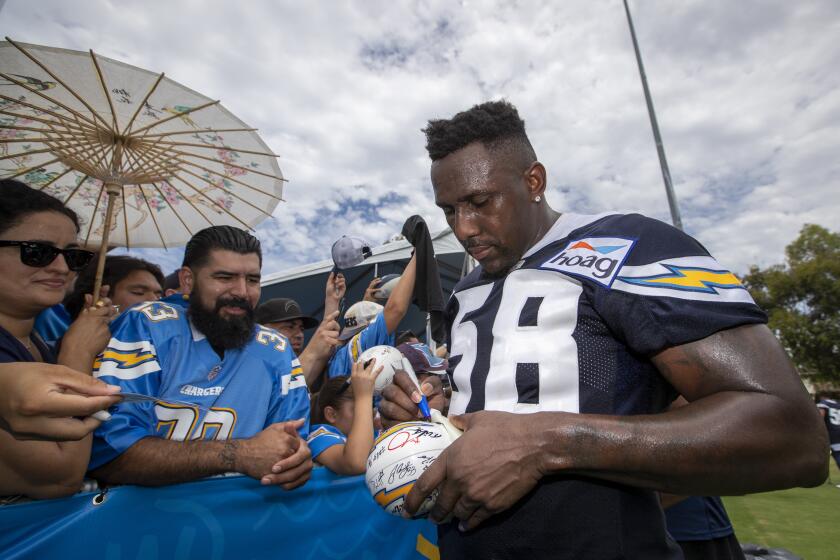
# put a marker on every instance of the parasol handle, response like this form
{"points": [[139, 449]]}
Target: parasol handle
{"points": [[113, 193]]}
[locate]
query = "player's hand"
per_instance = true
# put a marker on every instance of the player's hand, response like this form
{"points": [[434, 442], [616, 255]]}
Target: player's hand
{"points": [[372, 287], [89, 334], [362, 379], [484, 472], [400, 398], [336, 288], [295, 470], [255, 456], [51, 402]]}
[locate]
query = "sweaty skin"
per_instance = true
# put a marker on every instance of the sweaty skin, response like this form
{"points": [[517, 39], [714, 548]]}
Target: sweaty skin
{"points": [[747, 408]]}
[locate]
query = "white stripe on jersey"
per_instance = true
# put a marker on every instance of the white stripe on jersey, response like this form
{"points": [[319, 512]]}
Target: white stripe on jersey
{"points": [[289, 382], [112, 369]]}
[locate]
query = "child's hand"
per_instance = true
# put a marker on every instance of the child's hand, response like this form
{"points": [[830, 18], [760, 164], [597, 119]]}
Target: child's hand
{"points": [[362, 379]]}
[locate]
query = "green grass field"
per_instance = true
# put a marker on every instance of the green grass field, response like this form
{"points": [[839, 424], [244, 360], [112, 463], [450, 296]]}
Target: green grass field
{"points": [[805, 521]]}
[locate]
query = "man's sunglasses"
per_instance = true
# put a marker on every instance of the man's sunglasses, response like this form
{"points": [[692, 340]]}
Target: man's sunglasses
{"points": [[39, 255]]}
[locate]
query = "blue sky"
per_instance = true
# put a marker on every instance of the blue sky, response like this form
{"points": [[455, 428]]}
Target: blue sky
{"points": [[746, 94]]}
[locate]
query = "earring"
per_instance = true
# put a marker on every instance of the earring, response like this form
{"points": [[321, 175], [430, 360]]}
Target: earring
{"points": [[537, 198]]}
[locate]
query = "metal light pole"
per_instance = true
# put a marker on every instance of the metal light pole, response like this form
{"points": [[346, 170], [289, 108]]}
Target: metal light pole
{"points": [[660, 149]]}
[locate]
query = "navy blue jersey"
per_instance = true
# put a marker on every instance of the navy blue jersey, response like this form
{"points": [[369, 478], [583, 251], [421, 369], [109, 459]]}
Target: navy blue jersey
{"points": [[698, 518], [832, 422], [571, 328]]}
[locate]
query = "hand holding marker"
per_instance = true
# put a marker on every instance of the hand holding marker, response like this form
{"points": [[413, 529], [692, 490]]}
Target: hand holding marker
{"points": [[423, 405]]}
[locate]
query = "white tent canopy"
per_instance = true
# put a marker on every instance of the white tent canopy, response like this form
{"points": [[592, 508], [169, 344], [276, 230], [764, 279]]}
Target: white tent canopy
{"points": [[443, 241]]}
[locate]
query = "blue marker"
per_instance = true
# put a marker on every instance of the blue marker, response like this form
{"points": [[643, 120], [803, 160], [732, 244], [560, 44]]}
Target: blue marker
{"points": [[423, 405]]}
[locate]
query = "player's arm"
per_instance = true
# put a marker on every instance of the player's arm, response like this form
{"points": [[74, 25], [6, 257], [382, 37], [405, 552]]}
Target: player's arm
{"points": [[747, 411], [398, 303], [747, 408], [154, 461]]}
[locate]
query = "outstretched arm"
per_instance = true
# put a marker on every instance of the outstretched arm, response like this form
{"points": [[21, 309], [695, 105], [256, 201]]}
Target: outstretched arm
{"points": [[397, 305], [749, 427]]}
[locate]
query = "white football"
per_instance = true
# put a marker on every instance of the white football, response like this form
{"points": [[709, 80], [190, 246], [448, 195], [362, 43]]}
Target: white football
{"points": [[388, 357], [399, 456]]}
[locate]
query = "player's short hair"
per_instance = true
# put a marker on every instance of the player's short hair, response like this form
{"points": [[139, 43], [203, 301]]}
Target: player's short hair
{"points": [[496, 124], [17, 200], [228, 238], [117, 267], [334, 391]]}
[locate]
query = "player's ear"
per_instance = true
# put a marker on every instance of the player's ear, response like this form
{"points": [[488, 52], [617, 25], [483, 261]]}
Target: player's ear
{"points": [[535, 178], [330, 414], [185, 279]]}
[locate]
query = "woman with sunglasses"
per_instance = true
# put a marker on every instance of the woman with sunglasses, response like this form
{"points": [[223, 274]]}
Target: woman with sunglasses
{"points": [[39, 258]]}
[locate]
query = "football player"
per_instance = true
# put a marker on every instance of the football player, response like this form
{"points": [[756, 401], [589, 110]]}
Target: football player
{"points": [[231, 393], [568, 342], [829, 408]]}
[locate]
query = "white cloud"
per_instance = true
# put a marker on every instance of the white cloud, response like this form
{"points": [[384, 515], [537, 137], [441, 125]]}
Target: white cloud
{"points": [[746, 97]]}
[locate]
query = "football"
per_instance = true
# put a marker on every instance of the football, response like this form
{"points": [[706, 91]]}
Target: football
{"points": [[399, 456], [388, 357]]}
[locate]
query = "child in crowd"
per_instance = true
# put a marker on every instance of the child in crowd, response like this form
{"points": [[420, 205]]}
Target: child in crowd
{"points": [[342, 420]]}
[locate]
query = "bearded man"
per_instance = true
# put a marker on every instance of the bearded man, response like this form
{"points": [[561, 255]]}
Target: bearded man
{"points": [[232, 395]]}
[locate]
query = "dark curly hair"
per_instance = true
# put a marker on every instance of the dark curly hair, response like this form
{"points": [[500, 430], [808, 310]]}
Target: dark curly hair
{"points": [[496, 124]]}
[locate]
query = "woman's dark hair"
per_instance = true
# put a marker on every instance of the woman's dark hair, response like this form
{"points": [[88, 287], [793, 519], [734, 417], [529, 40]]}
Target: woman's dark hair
{"points": [[17, 200], [116, 269], [335, 391]]}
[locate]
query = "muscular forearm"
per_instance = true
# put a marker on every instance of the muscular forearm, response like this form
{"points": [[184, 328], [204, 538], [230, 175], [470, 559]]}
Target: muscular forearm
{"points": [[154, 462], [727, 443]]}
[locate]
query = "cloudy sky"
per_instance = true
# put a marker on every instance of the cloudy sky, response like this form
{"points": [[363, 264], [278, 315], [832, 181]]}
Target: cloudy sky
{"points": [[746, 94]]}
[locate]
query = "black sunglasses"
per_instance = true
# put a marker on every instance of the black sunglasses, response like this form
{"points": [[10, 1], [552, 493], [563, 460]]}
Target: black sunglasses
{"points": [[39, 255]]}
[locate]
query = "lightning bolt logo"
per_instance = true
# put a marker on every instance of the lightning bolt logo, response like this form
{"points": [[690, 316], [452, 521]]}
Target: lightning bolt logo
{"points": [[124, 360], [691, 279], [385, 497]]}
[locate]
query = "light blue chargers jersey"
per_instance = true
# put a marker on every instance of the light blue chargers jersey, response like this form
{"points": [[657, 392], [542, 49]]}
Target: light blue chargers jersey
{"points": [[375, 334], [155, 350], [324, 436]]}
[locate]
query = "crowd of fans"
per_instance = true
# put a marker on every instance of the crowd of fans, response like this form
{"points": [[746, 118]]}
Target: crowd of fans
{"points": [[233, 385]]}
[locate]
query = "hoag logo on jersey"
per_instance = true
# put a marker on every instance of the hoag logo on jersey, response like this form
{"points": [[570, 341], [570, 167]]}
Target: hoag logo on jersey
{"points": [[597, 258]]}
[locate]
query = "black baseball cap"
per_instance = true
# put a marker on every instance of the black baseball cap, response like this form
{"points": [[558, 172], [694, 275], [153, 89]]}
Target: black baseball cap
{"points": [[283, 309]]}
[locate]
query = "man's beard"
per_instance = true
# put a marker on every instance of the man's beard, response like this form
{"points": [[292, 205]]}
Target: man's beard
{"points": [[223, 334]]}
